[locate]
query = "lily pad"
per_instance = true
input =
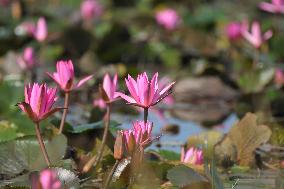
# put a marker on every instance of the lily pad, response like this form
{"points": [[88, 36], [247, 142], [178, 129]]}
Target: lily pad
{"points": [[182, 175], [25, 154], [84, 127]]}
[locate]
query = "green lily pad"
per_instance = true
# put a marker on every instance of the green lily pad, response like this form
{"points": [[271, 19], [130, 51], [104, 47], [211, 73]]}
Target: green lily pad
{"points": [[182, 175], [84, 127], [25, 154]]}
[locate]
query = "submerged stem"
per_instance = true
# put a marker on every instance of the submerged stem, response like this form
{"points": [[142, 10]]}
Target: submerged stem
{"points": [[66, 104], [109, 177], [41, 144], [96, 159]]}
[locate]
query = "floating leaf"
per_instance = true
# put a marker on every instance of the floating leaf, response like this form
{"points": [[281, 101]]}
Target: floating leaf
{"points": [[182, 175], [25, 154], [8, 131], [208, 138], [256, 80], [242, 140], [169, 155], [84, 127]]}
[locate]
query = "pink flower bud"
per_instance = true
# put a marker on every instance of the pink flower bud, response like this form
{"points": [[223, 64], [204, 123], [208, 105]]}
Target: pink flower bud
{"points": [[168, 18], [234, 31], [27, 60], [41, 32], [91, 9]]}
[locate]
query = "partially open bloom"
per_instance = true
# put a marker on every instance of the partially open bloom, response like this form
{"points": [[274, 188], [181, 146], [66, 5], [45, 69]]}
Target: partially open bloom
{"points": [[48, 179], [276, 6], [40, 32], [38, 103], [192, 156], [234, 31], [134, 140], [255, 37], [108, 89], [91, 9], [145, 93], [168, 18], [27, 60], [64, 76]]}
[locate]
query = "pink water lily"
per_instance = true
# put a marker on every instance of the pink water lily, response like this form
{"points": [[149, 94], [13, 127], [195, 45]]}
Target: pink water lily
{"points": [[276, 6], [100, 103], [48, 179], [91, 9], [168, 18], [234, 31], [64, 76], [192, 156], [145, 93], [27, 60], [255, 37], [41, 31], [109, 88], [136, 138], [25, 28], [38, 103]]}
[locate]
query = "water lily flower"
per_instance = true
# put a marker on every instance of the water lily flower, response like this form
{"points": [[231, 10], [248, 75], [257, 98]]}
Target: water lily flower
{"points": [[40, 32], [27, 60], [91, 9], [48, 179], [135, 139], [255, 37], [108, 90], [100, 103], [192, 156], [38, 103], [64, 76], [25, 28], [145, 93], [168, 18], [276, 6], [234, 31]]}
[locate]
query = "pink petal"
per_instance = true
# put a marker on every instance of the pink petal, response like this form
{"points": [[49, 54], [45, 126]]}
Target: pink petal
{"points": [[107, 85], [125, 97], [267, 35], [267, 7], [132, 88], [166, 89], [82, 81], [41, 30]]}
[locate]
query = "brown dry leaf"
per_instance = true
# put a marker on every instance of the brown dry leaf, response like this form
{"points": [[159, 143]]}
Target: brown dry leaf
{"points": [[242, 140]]}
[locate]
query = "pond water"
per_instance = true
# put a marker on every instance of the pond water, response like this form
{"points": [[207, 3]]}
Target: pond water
{"points": [[172, 141]]}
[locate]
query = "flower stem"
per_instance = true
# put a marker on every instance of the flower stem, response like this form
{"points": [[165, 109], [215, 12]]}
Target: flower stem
{"points": [[107, 182], [66, 104], [145, 115], [41, 144], [96, 159]]}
